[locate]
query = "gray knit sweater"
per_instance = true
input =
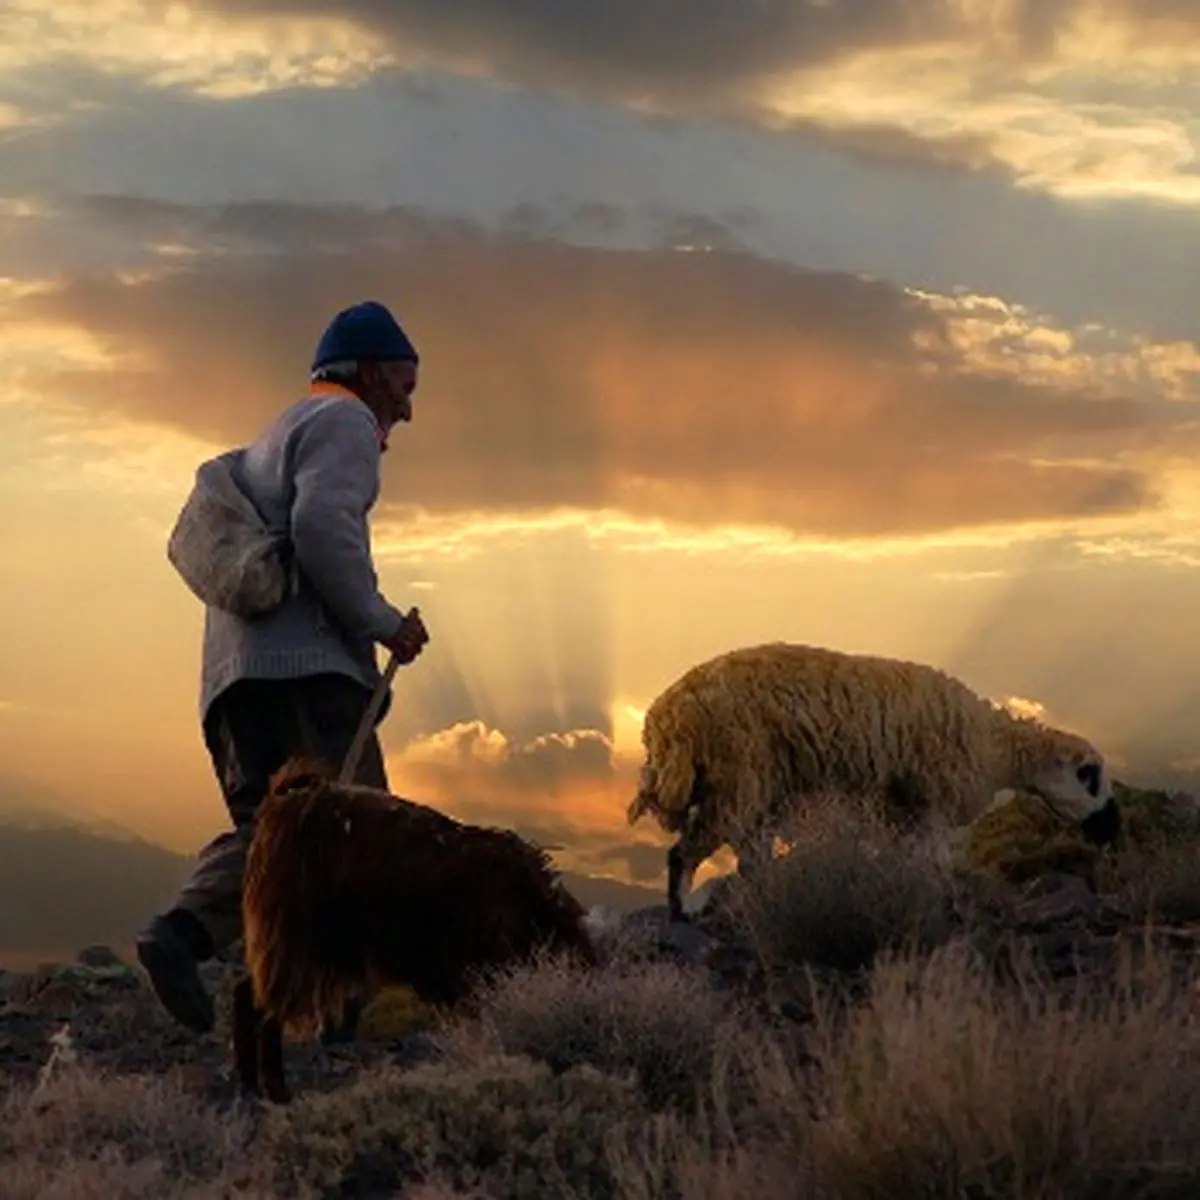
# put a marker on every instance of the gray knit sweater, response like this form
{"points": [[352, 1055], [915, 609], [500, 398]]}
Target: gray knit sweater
{"points": [[315, 469]]}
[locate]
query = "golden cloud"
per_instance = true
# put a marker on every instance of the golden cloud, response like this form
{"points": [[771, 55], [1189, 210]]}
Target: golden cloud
{"points": [[567, 791], [1065, 95], [715, 389], [181, 45]]}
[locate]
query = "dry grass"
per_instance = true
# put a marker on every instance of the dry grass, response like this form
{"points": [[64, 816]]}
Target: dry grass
{"points": [[942, 1084], [85, 1135], [663, 1025], [1156, 876], [508, 1126], [846, 889], [943, 1081], [1158, 884]]}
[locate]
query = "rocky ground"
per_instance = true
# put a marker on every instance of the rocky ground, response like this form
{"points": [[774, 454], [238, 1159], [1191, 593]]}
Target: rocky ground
{"points": [[1029, 907], [115, 1023]]}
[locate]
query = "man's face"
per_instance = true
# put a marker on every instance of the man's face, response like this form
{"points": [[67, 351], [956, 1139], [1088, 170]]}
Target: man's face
{"points": [[390, 386]]}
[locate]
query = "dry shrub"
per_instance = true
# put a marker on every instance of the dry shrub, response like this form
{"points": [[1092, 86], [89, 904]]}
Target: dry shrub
{"points": [[1022, 838], [847, 887], [436, 1189], [504, 1126], [1153, 818], [944, 1085], [393, 1013], [104, 1176], [663, 1023], [1155, 874], [85, 1135], [1159, 885], [668, 1159]]}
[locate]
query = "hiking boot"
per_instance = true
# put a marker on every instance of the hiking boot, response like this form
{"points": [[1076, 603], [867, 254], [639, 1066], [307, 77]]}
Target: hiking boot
{"points": [[171, 963]]}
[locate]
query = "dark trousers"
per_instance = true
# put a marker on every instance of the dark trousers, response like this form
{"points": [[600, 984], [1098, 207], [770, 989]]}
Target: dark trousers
{"points": [[251, 730]]}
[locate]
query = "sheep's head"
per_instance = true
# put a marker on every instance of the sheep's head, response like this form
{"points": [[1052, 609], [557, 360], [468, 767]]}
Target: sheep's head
{"points": [[1073, 777]]}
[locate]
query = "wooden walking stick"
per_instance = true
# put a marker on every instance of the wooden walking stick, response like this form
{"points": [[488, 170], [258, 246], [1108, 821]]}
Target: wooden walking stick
{"points": [[350, 764]]}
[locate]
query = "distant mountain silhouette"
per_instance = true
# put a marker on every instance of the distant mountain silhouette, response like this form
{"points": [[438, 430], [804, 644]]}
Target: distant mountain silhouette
{"points": [[63, 887]]}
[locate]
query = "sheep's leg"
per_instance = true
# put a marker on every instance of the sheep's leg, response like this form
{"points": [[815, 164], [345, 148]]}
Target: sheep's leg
{"points": [[755, 853], [245, 1036], [696, 844], [270, 1061], [679, 882]]}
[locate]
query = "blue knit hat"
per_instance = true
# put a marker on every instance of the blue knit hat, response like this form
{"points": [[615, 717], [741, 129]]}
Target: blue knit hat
{"points": [[363, 331]]}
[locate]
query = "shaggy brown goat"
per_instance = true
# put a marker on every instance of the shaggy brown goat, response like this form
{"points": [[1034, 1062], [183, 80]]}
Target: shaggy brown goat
{"points": [[349, 888]]}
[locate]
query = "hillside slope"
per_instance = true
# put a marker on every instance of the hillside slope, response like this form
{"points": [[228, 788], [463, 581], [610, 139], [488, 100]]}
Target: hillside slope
{"points": [[63, 887]]}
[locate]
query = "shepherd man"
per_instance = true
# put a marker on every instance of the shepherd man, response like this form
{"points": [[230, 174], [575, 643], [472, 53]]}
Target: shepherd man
{"points": [[299, 680]]}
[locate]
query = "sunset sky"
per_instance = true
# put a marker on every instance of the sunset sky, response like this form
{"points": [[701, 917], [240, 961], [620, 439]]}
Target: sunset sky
{"points": [[870, 323]]}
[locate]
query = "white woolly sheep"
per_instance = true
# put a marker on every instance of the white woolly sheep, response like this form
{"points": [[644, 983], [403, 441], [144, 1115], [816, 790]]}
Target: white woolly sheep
{"points": [[739, 740]]}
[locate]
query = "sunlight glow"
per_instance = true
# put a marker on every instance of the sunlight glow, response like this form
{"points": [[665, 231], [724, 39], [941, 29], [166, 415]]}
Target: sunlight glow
{"points": [[627, 720], [429, 538], [941, 94], [185, 47]]}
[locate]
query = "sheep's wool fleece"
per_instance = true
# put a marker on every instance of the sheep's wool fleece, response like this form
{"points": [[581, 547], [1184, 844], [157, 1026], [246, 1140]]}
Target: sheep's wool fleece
{"points": [[766, 724]]}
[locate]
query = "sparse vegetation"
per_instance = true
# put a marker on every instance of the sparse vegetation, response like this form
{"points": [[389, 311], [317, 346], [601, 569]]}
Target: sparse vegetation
{"points": [[947, 1070], [847, 888], [661, 1023]]}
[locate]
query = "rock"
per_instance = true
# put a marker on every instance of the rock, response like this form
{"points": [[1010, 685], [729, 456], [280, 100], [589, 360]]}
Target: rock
{"points": [[685, 941], [1056, 900], [59, 987], [733, 965], [650, 934], [98, 956], [654, 916], [415, 1049], [10, 981]]}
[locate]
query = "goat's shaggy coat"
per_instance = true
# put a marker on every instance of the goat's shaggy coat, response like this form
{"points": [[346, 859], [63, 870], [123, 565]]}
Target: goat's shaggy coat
{"points": [[738, 740], [349, 888]]}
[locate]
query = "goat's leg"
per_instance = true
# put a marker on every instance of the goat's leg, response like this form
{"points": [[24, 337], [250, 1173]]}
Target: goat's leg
{"points": [[270, 1061], [245, 1035]]}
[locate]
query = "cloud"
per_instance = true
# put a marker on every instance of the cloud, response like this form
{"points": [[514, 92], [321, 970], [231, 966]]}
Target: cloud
{"points": [[183, 45], [546, 763], [712, 52], [708, 387], [565, 791], [1077, 98], [477, 773], [1006, 87], [666, 52]]}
